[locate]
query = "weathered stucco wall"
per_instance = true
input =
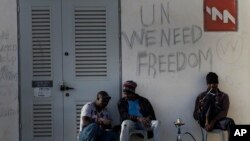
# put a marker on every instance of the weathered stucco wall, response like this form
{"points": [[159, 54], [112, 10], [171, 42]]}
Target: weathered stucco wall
{"points": [[8, 72], [166, 51]]}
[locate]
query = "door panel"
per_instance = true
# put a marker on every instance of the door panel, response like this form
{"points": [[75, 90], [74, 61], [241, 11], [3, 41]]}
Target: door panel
{"points": [[69, 42], [91, 40], [40, 44]]}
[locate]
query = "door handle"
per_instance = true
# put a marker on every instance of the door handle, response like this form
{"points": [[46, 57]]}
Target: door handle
{"points": [[65, 88]]}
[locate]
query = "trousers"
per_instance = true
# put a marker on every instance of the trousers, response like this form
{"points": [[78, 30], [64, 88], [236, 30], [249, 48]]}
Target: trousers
{"points": [[93, 132]]}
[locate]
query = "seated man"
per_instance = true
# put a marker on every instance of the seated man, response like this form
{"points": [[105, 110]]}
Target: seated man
{"points": [[95, 120], [136, 113], [211, 106]]}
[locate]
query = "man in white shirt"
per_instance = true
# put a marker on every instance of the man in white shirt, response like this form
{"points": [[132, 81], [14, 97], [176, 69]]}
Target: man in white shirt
{"points": [[95, 122]]}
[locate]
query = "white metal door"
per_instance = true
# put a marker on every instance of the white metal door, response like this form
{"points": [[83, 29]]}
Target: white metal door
{"points": [[71, 43], [90, 56]]}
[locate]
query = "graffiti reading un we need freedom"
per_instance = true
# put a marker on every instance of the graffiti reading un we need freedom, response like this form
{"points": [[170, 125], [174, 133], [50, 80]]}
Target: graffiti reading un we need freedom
{"points": [[156, 32], [160, 41]]}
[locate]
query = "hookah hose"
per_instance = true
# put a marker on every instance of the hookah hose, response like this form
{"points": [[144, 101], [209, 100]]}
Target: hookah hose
{"points": [[190, 135]]}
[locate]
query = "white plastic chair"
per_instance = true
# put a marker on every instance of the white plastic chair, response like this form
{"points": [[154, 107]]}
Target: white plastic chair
{"points": [[215, 131], [144, 133]]}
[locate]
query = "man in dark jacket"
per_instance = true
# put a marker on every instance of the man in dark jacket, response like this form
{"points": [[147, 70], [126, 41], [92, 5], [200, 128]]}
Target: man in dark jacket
{"points": [[136, 113], [211, 106]]}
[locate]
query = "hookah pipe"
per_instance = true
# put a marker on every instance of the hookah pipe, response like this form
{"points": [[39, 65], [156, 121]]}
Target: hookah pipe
{"points": [[178, 125]]}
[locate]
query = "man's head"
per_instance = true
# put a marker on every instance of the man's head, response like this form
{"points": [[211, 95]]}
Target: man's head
{"points": [[129, 89], [212, 80], [102, 99]]}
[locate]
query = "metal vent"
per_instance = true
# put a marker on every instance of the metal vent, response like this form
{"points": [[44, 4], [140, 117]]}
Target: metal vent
{"points": [[90, 42], [78, 114], [41, 42], [42, 120]]}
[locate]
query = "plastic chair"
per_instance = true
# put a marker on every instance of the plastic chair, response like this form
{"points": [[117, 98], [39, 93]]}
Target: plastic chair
{"points": [[144, 133], [215, 131]]}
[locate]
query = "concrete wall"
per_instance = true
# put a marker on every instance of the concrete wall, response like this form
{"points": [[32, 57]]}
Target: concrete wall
{"points": [[171, 73], [8, 72]]}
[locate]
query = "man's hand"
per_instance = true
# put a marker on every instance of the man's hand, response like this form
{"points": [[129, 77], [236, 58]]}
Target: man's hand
{"points": [[210, 126], [103, 121], [145, 121]]}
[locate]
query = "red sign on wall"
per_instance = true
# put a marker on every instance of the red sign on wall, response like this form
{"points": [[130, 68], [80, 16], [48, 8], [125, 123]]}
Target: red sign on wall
{"points": [[220, 15]]}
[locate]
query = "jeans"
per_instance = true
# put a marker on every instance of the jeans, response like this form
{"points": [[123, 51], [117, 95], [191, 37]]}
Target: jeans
{"points": [[93, 132]]}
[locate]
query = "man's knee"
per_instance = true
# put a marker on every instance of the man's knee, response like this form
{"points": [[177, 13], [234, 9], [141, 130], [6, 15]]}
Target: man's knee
{"points": [[231, 120], [89, 132], [93, 127]]}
